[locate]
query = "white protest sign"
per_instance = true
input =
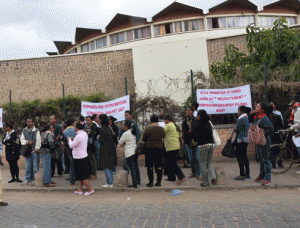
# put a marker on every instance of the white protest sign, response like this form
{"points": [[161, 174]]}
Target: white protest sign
{"points": [[115, 108], [1, 122], [224, 101]]}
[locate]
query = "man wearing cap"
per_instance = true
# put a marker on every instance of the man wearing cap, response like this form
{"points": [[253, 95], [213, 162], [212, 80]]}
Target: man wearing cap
{"points": [[2, 203]]}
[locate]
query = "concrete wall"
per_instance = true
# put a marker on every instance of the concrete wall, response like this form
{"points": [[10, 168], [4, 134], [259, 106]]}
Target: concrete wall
{"points": [[172, 59], [83, 74]]}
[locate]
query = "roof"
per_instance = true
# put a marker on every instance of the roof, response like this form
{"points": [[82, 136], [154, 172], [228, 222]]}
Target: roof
{"points": [[291, 4], [62, 45], [176, 6], [83, 32], [120, 19], [240, 3], [51, 53]]}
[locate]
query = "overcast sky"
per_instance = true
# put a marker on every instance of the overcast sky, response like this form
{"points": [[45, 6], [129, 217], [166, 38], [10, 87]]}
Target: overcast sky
{"points": [[29, 27]]}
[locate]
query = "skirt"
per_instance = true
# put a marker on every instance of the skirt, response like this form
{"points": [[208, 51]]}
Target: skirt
{"points": [[82, 168], [153, 156]]}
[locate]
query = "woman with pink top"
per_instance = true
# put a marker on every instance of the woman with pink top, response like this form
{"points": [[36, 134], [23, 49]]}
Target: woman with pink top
{"points": [[81, 160]]}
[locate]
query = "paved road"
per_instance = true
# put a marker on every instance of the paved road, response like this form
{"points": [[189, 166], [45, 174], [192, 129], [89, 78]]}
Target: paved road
{"points": [[237, 208]]}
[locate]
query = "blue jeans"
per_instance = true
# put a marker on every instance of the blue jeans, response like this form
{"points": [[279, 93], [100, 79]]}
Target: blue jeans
{"points": [[46, 159], [34, 158], [134, 170], [264, 159], [109, 176], [193, 159]]}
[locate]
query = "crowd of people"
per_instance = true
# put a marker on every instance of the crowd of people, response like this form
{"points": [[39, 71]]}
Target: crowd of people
{"points": [[83, 146]]}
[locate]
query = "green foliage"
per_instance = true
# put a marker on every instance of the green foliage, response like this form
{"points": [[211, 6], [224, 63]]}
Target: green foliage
{"points": [[41, 110], [269, 49]]}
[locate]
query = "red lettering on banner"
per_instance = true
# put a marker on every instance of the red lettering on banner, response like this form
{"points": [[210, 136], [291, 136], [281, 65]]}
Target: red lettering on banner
{"points": [[236, 91], [217, 92], [241, 104], [121, 109], [220, 110], [203, 99], [204, 92]]}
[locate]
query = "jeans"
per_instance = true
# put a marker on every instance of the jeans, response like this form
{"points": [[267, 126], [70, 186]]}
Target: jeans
{"points": [[264, 159], [134, 170], [72, 176], [172, 167], [125, 165], [109, 176], [34, 158], [46, 159], [193, 159], [97, 144], [206, 155], [241, 154]]}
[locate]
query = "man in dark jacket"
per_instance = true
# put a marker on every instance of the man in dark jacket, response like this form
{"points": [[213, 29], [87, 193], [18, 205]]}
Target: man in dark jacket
{"points": [[57, 157], [275, 138]]}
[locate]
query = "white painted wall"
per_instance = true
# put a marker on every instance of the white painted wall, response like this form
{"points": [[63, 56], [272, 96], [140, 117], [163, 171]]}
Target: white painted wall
{"points": [[173, 59]]}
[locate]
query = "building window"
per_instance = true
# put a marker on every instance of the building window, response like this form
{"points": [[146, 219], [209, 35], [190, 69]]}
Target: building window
{"points": [[102, 42], [193, 25], [85, 48], [73, 51], [142, 33], [129, 35], [291, 20], [163, 29], [178, 26], [92, 45], [229, 22], [118, 38]]}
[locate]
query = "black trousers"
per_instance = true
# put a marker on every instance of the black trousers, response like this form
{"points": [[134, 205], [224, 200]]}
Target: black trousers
{"points": [[241, 154], [14, 169], [67, 163], [57, 162], [134, 170], [173, 169]]}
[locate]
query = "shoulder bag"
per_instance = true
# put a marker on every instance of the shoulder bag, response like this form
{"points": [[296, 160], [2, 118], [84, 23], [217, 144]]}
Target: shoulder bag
{"points": [[256, 135], [229, 148], [216, 137], [26, 150]]}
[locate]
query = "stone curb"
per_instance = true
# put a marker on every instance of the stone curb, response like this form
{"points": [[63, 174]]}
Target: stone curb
{"points": [[156, 189]]}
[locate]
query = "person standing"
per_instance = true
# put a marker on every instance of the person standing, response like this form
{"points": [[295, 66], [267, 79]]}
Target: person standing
{"points": [[114, 128], [2, 203], [91, 130], [275, 138], [47, 148], [172, 145], [81, 161], [95, 119], [11, 151], [57, 156], [70, 132], [191, 147], [128, 116], [262, 120], [203, 135], [107, 150], [128, 140], [153, 138], [275, 111], [241, 131], [31, 136]]}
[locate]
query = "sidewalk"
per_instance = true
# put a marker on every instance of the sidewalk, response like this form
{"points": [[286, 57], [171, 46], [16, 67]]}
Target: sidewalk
{"points": [[287, 180]]}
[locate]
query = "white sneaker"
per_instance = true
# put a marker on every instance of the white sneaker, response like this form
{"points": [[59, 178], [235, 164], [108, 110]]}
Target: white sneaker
{"points": [[298, 172], [25, 183], [107, 186]]}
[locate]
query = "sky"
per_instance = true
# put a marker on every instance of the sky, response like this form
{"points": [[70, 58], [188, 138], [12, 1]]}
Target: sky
{"points": [[29, 27]]}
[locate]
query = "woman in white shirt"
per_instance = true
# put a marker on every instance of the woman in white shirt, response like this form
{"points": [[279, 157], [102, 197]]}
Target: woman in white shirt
{"points": [[128, 140]]}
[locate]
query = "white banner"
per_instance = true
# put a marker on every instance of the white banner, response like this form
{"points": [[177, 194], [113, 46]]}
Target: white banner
{"points": [[115, 108], [224, 101], [1, 122]]}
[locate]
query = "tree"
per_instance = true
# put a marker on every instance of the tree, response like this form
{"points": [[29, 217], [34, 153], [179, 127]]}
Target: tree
{"points": [[268, 50]]}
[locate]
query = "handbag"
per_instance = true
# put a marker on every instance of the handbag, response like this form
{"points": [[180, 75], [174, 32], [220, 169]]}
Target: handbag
{"points": [[26, 150], [140, 148], [256, 135], [216, 137], [229, 148]]}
